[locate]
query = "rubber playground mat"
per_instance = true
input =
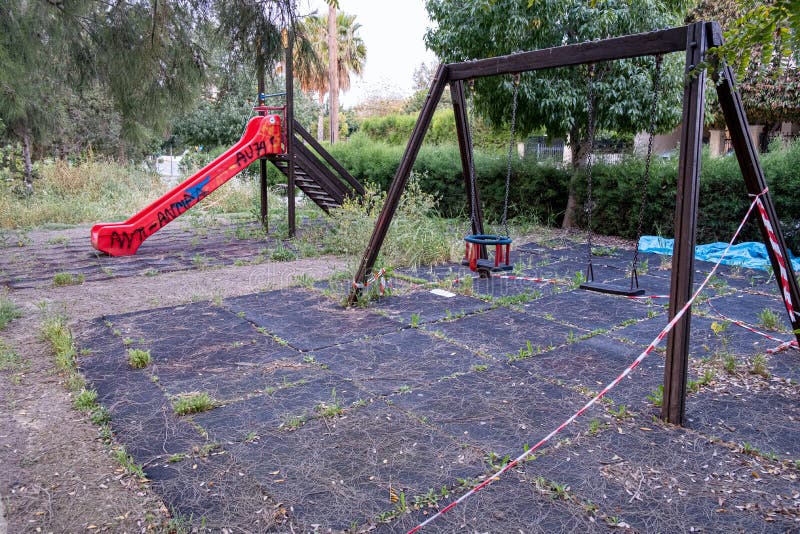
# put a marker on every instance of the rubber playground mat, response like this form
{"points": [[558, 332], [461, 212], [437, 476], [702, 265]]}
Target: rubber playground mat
{"points": [[199, 244], [331, 419]]}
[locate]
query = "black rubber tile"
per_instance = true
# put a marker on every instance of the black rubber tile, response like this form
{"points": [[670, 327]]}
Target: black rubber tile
{"points": [[748, 308], [425, 306], [501, 332], [499, 410], [653, 479], [406, 359], [704, 341], [591, 364], [299, 395], [195, 336], [308, 321], [510, 504], [214, 493], [337, 472], [518, 290], [435, 273], [764, 419], [785, 364], [587, 309]]}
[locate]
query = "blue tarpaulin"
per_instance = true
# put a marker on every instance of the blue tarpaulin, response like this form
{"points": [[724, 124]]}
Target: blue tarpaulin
{"points": [[750, 255]]}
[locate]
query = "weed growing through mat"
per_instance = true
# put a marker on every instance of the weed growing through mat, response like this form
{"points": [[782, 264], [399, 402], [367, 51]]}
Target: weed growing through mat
{"points": [[304, 280], [282, 253], [8, 312], [128, 463], [657, 396], [479, 368], [54, 329], [68, 279], [139, 359], [729, 362], [86, 400], [769, 320], [523, 353], [758, 366], [329, 409], [621, 412], [495, 461], [189, 403], [595, 425], [9, 359]]}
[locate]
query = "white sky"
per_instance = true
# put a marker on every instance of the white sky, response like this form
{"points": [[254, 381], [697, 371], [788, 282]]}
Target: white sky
{"points": [[392, 31]]}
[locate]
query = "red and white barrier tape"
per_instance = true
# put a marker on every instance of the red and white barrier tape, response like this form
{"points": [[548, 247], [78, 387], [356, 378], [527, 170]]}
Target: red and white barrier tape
{"points": [[644, 297], [527, 278], [378, 276], [753, 330], [660, 337], [776, 249]]}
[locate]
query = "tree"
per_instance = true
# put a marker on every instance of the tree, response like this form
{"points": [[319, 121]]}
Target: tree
{"points": [[556, 99], [333, 71], [769, 76], [57, 56], [313, 74], [254, 30]]}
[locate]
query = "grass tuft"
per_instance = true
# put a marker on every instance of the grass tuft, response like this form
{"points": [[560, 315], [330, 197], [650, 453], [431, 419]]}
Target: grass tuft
{"points": [[68, 279], [8, 312], [189, 403], [139, 359]]}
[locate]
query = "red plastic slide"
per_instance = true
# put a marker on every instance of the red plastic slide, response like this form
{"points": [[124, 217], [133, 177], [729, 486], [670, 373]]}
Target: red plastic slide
{"points": [[261, 137]]}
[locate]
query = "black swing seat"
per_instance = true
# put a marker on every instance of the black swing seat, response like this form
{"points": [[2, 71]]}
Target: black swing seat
{"points": [[488, 265], [609, 289]]}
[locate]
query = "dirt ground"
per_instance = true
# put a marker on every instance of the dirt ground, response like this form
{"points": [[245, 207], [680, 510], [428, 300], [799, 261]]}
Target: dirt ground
{"points": [[371, 419]]}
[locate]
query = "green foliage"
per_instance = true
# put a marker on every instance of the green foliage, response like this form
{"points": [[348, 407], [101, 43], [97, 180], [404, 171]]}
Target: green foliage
{"points": [[86, 400], [416, 236], [556, 98], [8, 311], [68, 279], [139, 359], [538, 191], [189, 403]]}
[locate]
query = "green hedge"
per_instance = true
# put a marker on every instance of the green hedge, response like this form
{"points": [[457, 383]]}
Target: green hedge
{"points": [[537, 190], [541, 190], [723, 198]]}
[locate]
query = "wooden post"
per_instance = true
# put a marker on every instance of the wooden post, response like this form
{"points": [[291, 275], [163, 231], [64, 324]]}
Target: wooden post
{"points": [[400, 179], [262, 162], [288, 128], [746, 154], [467, 157], [673, 408]]}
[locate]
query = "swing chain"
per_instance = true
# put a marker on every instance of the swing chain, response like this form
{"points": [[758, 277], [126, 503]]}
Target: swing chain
{"points": [[648, 159], [510, 151], [589, 208], [473, 179]]}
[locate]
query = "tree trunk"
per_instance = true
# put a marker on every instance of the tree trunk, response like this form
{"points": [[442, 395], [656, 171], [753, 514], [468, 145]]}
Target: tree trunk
{"points": [[27, 178], [333, 73], [321, 118], [580, 157]]}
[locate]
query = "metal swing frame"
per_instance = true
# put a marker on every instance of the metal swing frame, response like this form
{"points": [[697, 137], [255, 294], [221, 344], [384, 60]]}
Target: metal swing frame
{"points": [[694, 39]]}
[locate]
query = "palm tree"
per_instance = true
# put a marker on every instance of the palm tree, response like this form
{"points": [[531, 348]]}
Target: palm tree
{"points": [[312, 72]]}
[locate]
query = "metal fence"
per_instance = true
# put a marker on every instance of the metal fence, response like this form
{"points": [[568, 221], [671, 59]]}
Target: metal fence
{"points": [[542, 148]]}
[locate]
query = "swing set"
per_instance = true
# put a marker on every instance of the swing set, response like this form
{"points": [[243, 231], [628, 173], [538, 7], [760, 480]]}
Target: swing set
{"points": [[695, 40]]}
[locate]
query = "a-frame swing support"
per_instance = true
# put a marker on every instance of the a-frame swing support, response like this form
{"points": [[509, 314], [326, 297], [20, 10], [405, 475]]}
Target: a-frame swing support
{"points": [[695, 39]]}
